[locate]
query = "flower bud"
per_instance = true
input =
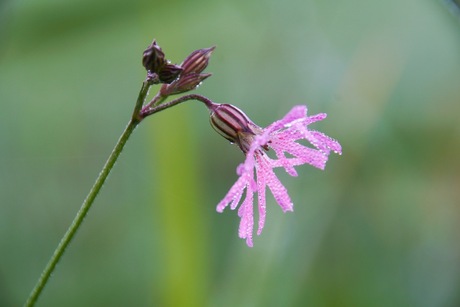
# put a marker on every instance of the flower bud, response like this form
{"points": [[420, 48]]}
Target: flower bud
{"points": [[184, 84], [153, 58], [231, 123], [169, 73], [197, 61]]}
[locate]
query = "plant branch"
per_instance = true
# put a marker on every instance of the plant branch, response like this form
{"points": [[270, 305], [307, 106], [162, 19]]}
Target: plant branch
{"points": [[149, 111], [68, 236], [158, 71], [140, 112], [140, 100]]}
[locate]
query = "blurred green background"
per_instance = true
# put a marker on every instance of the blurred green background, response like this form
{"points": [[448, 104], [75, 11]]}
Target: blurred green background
{"points": [[379, 227]]}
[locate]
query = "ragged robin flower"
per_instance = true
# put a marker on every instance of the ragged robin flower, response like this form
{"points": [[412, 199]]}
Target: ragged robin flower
{"points": [[256, 172]]}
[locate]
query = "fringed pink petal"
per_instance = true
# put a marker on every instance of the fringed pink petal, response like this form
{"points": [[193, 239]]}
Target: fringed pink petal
{"points": [[277, 188], [326, 141], [284, 161], [279, 192], [314, 118], [247, 218], [282, 137], [261, 184], [234, 194], [296, 113]]}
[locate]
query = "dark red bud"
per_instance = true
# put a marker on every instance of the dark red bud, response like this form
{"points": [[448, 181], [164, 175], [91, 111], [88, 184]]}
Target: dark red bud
{"points": [[153, 58], [169, 73]]}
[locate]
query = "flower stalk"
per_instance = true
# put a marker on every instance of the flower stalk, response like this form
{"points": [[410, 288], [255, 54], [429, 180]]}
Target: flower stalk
{"points": [[87, 203], [158, 71]]}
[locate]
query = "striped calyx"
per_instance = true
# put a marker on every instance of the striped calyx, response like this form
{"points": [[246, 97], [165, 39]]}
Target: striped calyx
{"points": [[231, 123], [197, 61]]}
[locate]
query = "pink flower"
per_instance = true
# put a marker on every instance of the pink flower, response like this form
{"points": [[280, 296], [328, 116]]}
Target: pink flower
{"points": [[256, 173]]}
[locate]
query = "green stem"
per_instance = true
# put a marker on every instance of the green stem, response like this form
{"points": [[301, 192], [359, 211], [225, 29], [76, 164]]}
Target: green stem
{"points": [[68, 236], [140, 100], [138, 115]]}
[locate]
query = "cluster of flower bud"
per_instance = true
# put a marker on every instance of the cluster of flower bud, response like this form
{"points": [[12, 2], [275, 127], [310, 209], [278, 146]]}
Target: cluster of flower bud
{"points": [[159, 69], [176, 78]]}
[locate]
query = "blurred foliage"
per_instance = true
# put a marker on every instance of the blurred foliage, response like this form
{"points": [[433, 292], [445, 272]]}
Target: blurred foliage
{"points": [[379, 227]]}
